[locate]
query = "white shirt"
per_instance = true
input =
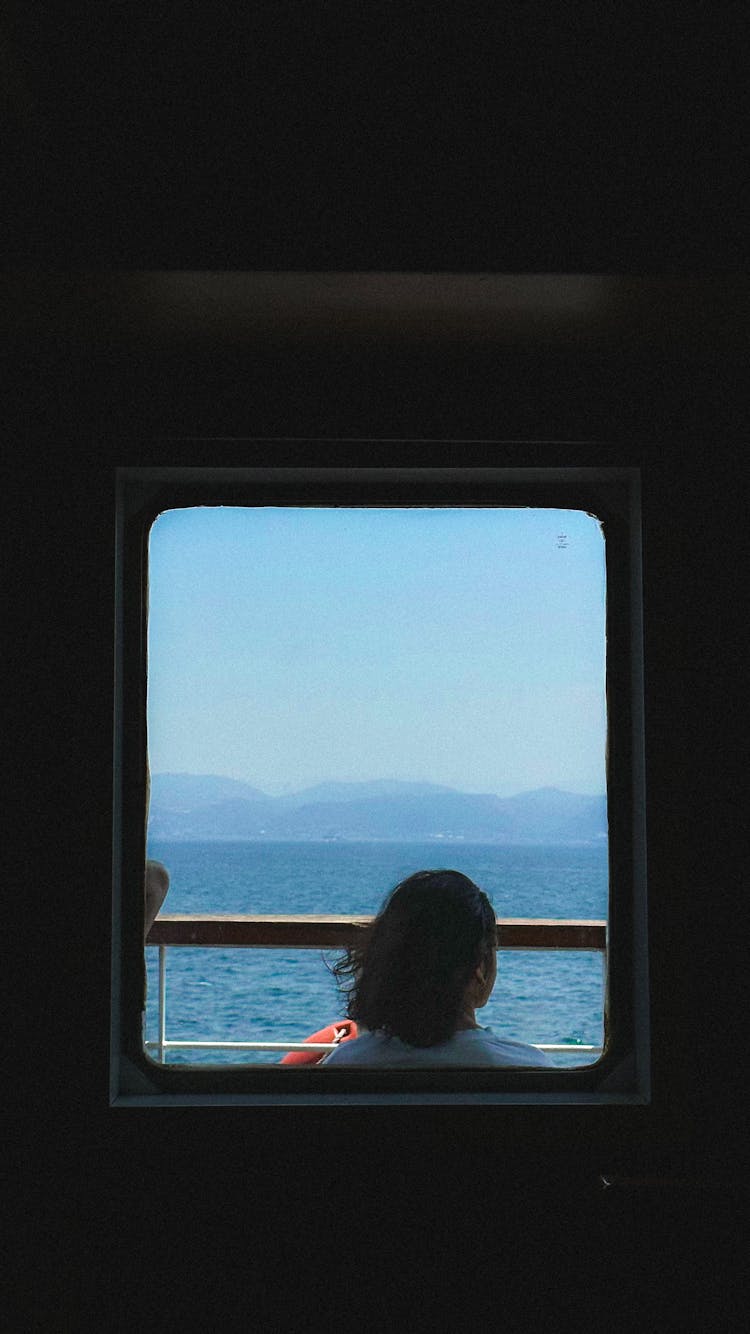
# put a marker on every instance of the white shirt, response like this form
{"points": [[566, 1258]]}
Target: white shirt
{"points": [[467, 1047]]}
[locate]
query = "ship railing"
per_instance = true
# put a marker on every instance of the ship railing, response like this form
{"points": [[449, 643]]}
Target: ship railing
{"points": [[335, 932]]}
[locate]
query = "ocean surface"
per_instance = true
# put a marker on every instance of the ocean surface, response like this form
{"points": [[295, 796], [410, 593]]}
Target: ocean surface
{"points": [[281, 995]]}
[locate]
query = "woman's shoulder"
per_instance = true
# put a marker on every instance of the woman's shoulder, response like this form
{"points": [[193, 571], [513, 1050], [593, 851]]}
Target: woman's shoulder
{"points": [[366, 1048], [506, 1051], [470, 1046]]}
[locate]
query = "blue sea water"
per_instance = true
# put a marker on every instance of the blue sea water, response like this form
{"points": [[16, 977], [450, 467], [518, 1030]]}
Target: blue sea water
{"points": [[283, 995]]}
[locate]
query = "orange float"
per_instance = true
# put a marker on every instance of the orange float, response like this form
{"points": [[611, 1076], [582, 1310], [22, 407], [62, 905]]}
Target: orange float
{"points": [[342, 1031]]}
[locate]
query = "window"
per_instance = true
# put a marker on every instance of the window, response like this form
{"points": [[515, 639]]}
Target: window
{"points": [[340, 697]]}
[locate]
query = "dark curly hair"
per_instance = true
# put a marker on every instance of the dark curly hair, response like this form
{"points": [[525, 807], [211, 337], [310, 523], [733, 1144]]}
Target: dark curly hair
{"points": [[408, 976]]}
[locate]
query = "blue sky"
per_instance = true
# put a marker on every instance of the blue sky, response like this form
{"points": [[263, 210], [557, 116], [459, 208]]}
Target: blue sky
{"points": [[458, 646]]}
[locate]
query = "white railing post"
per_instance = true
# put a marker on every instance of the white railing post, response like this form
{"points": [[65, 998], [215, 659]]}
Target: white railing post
{"points": [[162, 1000]]}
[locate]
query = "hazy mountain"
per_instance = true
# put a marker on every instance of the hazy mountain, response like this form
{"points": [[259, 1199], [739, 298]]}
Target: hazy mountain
{"points": [[377, 787], [185, 791], [381, 810]]}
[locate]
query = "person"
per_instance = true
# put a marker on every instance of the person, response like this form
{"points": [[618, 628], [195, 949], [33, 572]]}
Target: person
{"points": [[156, 886], [428, 962], [156, 881]]}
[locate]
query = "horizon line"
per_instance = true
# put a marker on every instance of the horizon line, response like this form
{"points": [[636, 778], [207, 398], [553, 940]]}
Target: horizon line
{"points": [[353, 782]]}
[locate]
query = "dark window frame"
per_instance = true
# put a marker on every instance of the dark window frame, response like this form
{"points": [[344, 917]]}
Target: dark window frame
{"points": [[622, 1073]]}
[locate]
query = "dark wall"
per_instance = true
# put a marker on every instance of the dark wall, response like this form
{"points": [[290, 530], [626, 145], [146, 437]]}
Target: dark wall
{"points": [[224, 1209], [332, 138]]}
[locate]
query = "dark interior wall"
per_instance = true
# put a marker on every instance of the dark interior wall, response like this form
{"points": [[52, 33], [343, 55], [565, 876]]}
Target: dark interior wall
{"points": [[112, 370], [328, 138], [331, 138]]}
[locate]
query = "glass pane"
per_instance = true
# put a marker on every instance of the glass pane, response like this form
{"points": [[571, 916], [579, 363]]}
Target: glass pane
{"points": [[340, 697]]}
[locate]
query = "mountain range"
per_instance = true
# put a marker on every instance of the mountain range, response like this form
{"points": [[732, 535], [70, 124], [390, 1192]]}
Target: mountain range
{"points": [[207, 806]]}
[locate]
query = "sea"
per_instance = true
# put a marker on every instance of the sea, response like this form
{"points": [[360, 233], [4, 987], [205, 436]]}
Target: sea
{"points": [[279, 995]]}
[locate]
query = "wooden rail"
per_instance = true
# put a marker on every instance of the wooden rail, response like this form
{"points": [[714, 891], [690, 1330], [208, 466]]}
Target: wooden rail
{"points": [[332, 931]]}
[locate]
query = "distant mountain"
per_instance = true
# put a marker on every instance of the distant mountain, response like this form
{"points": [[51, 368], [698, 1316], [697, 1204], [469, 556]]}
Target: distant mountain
{"points": [[383, 810], [377, 787]]}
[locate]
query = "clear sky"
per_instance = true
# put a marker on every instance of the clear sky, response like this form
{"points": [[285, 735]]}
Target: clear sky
{"points": [[457, 646]]}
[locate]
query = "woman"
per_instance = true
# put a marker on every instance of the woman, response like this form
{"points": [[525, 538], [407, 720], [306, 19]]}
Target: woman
{"points": [[157, 884], [427, 964]]}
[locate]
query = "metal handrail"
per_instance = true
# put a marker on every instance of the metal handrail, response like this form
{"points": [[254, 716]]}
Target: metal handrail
{"points": [[337, 930], [332, 931]]}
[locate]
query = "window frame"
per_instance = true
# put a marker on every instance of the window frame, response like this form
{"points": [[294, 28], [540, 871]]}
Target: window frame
{"points": [[612, 495]]}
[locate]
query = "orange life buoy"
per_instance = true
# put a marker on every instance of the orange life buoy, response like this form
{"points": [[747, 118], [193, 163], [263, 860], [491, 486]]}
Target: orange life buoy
{"points": [[343, 1031]]}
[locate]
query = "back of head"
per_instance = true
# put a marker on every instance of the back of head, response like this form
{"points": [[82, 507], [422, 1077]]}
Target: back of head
{"points": [[409, 977]]}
